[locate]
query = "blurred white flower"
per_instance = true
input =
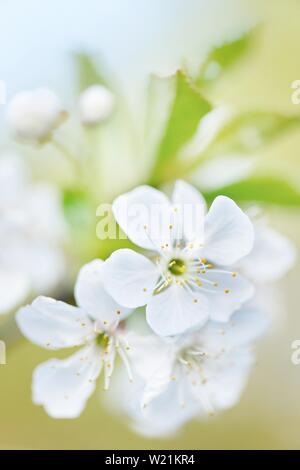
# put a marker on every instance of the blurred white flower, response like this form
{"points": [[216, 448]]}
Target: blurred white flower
{"points": [[272, 256], [186, 282], [31, 232], [64, 386], [196, 375], [96, 104], [33, 115]]}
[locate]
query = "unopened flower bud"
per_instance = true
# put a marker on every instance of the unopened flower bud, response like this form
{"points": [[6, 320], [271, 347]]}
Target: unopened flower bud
{"points": [[33, 115], [96, 104]]}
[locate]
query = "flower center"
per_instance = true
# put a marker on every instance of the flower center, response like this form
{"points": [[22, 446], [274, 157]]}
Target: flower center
{"points": [[177, 267], [102, 340]]}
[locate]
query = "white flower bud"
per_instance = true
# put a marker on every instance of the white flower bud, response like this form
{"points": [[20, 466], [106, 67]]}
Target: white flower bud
{"points": [[33, 115], [96, 104]]}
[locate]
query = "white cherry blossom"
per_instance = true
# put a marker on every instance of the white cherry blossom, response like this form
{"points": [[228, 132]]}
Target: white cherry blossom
{"points": [[62, 387], [188, 275], [196, 376]]}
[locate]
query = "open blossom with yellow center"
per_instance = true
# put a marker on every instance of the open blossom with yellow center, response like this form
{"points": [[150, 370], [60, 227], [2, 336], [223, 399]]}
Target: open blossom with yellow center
{"points": [[64, 386], [189, 275]]}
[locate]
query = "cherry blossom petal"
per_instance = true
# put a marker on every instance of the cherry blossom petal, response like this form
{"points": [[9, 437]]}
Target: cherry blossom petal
{"points": [[176, 310], [53, 324], [244, 328], [190, 208], [225, 379], [227, 292], [152, 361], [228, 232], [145, 215], [130, 278], [91, 295], [271, 258], [63, 387]]}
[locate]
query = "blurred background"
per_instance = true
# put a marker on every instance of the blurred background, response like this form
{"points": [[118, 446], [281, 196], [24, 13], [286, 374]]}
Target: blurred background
{"points": [[134, 38]]}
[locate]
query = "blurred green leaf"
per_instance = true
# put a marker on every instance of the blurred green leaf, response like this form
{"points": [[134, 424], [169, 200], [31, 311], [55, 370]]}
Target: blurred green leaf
{"points": [[87, 72], [223, 57], [252, 130], [268, 190], [243, 135], [188, 108], [77, 209]]}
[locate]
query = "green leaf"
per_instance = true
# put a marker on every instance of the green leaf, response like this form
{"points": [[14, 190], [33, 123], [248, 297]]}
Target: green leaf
{"points": [[187, 109], [243, 135], [250, 131], [87, 72], [223, 57], [77, 209], [268, 190]]}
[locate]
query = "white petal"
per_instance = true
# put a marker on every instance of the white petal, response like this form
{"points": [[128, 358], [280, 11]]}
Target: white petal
{"points": [[144, 214], [185, 193], [271, 258], [230, 291], [228, 232], [130, 278], [53, 324], [226, 378], [91, 295], [62, 387], [244, 328], [176, 310], [190, 209], [164, 415], [152, 360], [14, 287]]}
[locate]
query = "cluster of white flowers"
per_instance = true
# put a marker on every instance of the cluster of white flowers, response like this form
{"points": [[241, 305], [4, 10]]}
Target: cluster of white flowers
{"points": [[194, 291]]}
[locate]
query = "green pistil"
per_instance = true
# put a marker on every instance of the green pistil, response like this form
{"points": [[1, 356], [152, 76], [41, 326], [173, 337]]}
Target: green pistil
{"points": [[102, 340], [177, 267]]}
